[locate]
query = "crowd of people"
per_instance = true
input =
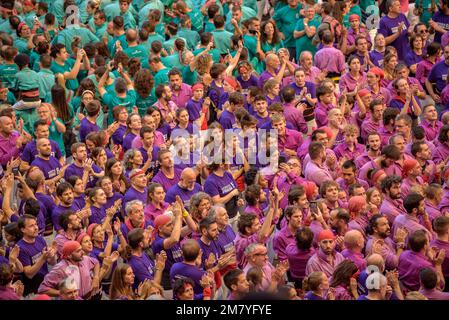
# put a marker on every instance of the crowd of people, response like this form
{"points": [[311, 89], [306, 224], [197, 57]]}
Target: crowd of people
{"points": [[207, 150]]}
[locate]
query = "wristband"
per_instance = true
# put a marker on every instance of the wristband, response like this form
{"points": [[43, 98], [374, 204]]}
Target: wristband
{"points": [[185, 214], [207, 292]]}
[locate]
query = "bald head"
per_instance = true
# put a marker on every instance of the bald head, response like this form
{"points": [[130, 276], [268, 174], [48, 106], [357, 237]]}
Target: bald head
{"points": [[272, 60], [131, 35], [43, 145], [6, 125], [376, 260], [36, 174], [354, 240], [188, 179]]}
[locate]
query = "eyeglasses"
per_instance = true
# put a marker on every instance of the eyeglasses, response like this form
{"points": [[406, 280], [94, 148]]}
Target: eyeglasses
{"points": [[423, 31], [261, 254], [293, 164]]}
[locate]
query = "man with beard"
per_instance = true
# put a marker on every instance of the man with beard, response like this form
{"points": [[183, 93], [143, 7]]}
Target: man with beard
{"points": [[168, 175], [181, 92], [77, 168], [431, 172], [34, 254], [373, 141], [185, 188], [316, 170], [380, 242], [287, 234], [326, 259], [64, 191], [392, 203], [373, 123], [49, 165], [388, 156], [41, 130], [84, 269], [416, 217], [226, 234], [349, 177], [71, 229], [165, 104], [399, 141], [135, 218]]}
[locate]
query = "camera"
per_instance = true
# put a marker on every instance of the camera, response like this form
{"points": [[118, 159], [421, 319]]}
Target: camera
{"points": [[253, 32], [313, 207]]}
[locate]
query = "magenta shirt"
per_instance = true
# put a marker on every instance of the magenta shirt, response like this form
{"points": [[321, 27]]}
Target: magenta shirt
{"points": [[344, 186], [431, 130], [391, 208], [330, 59], [158, 140], [410, 223], [356, 257], [321, 113], [312, 75], [435, 294], [8, 149], [317, 174], [368, 126], [291, 140], [440, 244], [297, 260], [388, 252], [295, 117], [407, 184], [363, 159], [281, 240], [241, 242], [183, 96], [423, 69], [348, 82], [385, 135], [432, 210], [342, 150], [410, 264], [383, 94], [151, 212], [319, 262]]}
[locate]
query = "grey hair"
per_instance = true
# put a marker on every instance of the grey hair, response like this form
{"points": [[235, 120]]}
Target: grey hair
{"points": [[251, 248], [213, 211], [198, 197], [130, 204], [129, 154]]}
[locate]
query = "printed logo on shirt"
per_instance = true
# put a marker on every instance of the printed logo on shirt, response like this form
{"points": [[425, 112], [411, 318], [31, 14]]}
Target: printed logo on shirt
{"points": [[177, 254], [228, 188], [35, 257], [53, 173], [443, 25], [444, 77], [381, 62], [150, 270], [394, 29], [228, 246]]}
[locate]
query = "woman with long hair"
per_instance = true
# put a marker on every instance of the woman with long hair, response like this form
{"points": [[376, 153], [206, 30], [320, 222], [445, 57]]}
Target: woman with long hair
{"points": [[134, 124], [415, 54], [355, 78], [271, 89], [114, 170], [344, 280], [269, 38], [64, 112], [161, 125], [99, 156], [122, 283], [389, 64]]}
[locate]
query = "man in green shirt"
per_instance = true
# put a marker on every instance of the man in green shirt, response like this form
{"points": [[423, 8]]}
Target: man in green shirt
{"points": [[286, 19], [172, 31], [75, 30], [123, 95], [46, 78], [206, 38], [8, 68], [134, 49], [192, 37], [221, 36], [159, 70], [119, 35], [150, 5], [98, 24], [62, 65]]}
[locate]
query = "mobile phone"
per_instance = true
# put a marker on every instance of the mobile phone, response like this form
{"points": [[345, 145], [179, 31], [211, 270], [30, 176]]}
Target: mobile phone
{"points": [[15, 171], [252, 31], [313, 206], [282, 159]]}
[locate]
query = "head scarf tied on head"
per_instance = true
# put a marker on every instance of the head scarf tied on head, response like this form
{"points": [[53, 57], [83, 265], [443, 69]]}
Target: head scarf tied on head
{"points": [[409, 165], [69, 247], [160, 221], [326, 235]]}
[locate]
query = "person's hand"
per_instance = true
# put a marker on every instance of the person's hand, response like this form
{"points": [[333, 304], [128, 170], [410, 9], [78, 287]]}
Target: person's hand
{"points": [[206, 281], [118, 46], [116, 150], [377, 246], [285, 167], [8, 181], [113, 127], [14, 254], [331, 160], [331, 293], [18, 288], [393, 278], [344, 31], [234, 22], [400, 235], [87, 165], [161, 258], [340, 241], [436, 98], [112, 258], [95, 286], [13, 163], [210, 45], [235, 192], [439, 258], [353, 284], [210, 261], [401, 27], [306, 20], [80, 54]]}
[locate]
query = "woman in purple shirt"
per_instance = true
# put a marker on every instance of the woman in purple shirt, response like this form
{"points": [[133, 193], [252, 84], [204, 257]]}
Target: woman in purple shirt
{"points": [[97, 200], [414, 56], [134, 124], [355, 78], [161, 126], [121, 116], [344, 280], [112, 197], [271, 89], [317, 287], [182, 120], [78, 190], [114, 170]]}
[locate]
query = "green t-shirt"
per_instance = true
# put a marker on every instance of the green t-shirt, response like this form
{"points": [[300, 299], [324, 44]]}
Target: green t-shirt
{"points": [[56, 136], [222, 40], [137, 52], [192, 38], [27, 79], [189, 76], [8, 74], [71, 84], [110, 99], [197, 19], [304, 43], [214, 53], [142, 103], [172, 61], [161, 77], [286, 19], [46, 82]]}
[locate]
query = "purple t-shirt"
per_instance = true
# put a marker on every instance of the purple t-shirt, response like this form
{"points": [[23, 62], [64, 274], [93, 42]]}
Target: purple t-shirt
{"points": [[50, 167], [443, 21], [167, 183], [117, 136], [183, 270], [174, 254], [253, 81], [133, 194], [227, 119], [438, 75], [28, 256], [226, 239], [30, 151], [86, 127], [185, 194], [142, 267], [389, 26], [377, 58], [97, 214], [58, 210], [194, 109], [213, 248], [128, 140], [215, 185], [74, 170]]}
